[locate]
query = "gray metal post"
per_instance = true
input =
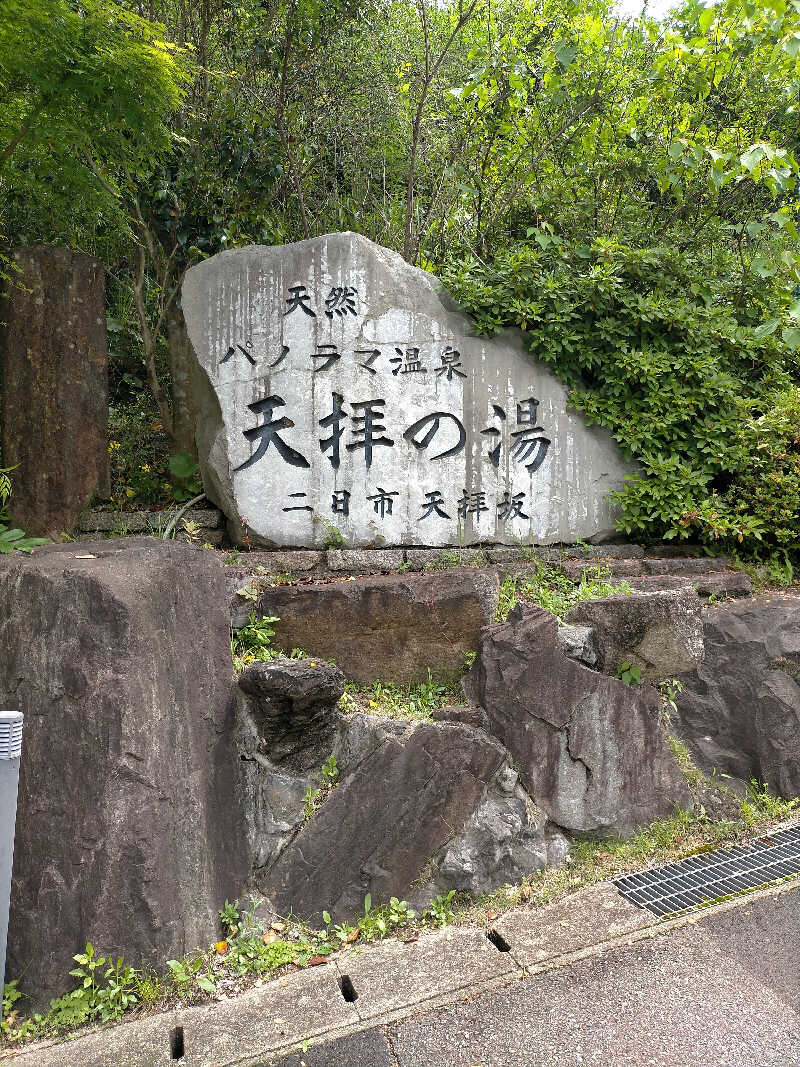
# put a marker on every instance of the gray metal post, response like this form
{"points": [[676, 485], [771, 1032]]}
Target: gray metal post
{"points": [[10, 751]]}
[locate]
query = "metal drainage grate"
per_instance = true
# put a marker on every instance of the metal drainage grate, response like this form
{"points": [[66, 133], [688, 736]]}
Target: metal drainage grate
{"points": [[709, 876]]}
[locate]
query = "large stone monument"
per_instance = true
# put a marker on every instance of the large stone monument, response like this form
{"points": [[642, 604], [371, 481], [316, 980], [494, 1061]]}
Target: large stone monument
{"points": [[339, 385]]}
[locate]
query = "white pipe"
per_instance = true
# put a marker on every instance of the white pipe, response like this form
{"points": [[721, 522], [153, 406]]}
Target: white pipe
{"points": [[10, 752]]}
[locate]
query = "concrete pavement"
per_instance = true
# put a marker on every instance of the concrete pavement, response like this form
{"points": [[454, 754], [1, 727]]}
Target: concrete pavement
{"points": [[590, 979]]}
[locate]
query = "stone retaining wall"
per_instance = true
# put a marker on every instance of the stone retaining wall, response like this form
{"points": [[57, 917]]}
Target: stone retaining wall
{"points": [[210, 524]]}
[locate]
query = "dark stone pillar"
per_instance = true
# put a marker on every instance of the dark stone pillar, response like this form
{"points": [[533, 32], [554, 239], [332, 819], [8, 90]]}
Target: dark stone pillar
{"points": [[129, 833], [54, 365]]}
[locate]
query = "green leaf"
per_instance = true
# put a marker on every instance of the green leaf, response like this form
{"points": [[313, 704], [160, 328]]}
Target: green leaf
{"points": [[791, 337], [565, 54], [676, 150], [765, 329], [752, 157], [182, 465]]}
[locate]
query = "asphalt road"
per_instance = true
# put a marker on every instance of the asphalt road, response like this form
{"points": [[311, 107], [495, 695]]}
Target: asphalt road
{"points": [[721, 993]]}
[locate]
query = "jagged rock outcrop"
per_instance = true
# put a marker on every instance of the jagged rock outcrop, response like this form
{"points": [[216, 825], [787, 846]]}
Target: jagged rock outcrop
{"points": [[659, 631], [591, 751], [129, 831], [418, 807], [740, 709]]}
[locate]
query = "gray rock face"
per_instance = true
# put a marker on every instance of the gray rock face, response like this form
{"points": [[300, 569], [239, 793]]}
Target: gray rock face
{"points": [[388, 627], [740, 709], [591, 752], [338, 384], [130, 832], [578, 642], [437, 800], [660, 631], [290, 706], [504, 840], [287, 722]]}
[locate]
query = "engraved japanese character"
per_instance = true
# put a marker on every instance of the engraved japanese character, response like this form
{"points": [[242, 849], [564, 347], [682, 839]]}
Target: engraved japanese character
{"points": [[451, 361], [472, 504], [300, 507], [340, 502], [372, 354], [412, 364], [331, 355], [383, 501], [526, 411], [244, 349], [340, 301], [528, 443], [267, 434], [434, 421], [368, 429], [281, 357], [299, 298], [511, 506], [432, 505], [497, 435], [334, 420]]}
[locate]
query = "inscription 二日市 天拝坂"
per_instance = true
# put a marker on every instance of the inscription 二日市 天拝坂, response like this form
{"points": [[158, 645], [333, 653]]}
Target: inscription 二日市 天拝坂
{"points": [[346, 390]]}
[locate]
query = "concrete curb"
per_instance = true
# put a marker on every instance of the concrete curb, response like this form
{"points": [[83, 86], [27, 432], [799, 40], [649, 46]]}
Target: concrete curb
{"points": [[393, 980]]}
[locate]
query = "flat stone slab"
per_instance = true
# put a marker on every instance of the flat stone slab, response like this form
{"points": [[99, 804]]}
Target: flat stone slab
{"points": [[376, 561], [588, 917], [732, 584], [684, 565], [390, 627], [340, 386], [399, 974]]}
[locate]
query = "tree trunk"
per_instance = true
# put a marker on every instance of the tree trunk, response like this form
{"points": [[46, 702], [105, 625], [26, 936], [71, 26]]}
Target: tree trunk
{"points": [[184, 414]]}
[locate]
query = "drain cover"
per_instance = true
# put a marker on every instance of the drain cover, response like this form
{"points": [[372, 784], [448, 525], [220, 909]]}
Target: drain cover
{"points": [[709, 876]]}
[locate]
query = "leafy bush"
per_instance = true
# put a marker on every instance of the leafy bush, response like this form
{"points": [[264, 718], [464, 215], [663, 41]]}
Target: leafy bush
{"points": [[768, 483], [11, 538], [683, 372], [552, 590], [253, 642]]}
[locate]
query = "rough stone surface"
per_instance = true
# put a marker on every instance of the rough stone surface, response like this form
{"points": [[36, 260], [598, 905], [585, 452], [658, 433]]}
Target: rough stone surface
{"points": [[291, 705], [387, 627], [433, 559], [468, 716], [660, 632], [683, 565], [369, 562], [54, 370], [505, 839], [578, 642], [727, 584], [96, 520], [287, 721], [616, 568], [432, 801], [590, 750], [129, 831], [740, 709], [375, 384]]}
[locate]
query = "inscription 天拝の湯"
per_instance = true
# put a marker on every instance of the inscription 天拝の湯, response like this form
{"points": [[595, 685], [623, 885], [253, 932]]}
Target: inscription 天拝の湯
{"points": [[366, 421], [342, 387]]}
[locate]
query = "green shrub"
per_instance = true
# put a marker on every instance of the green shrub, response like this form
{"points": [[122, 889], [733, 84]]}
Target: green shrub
{"points": [[681, 367]]}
